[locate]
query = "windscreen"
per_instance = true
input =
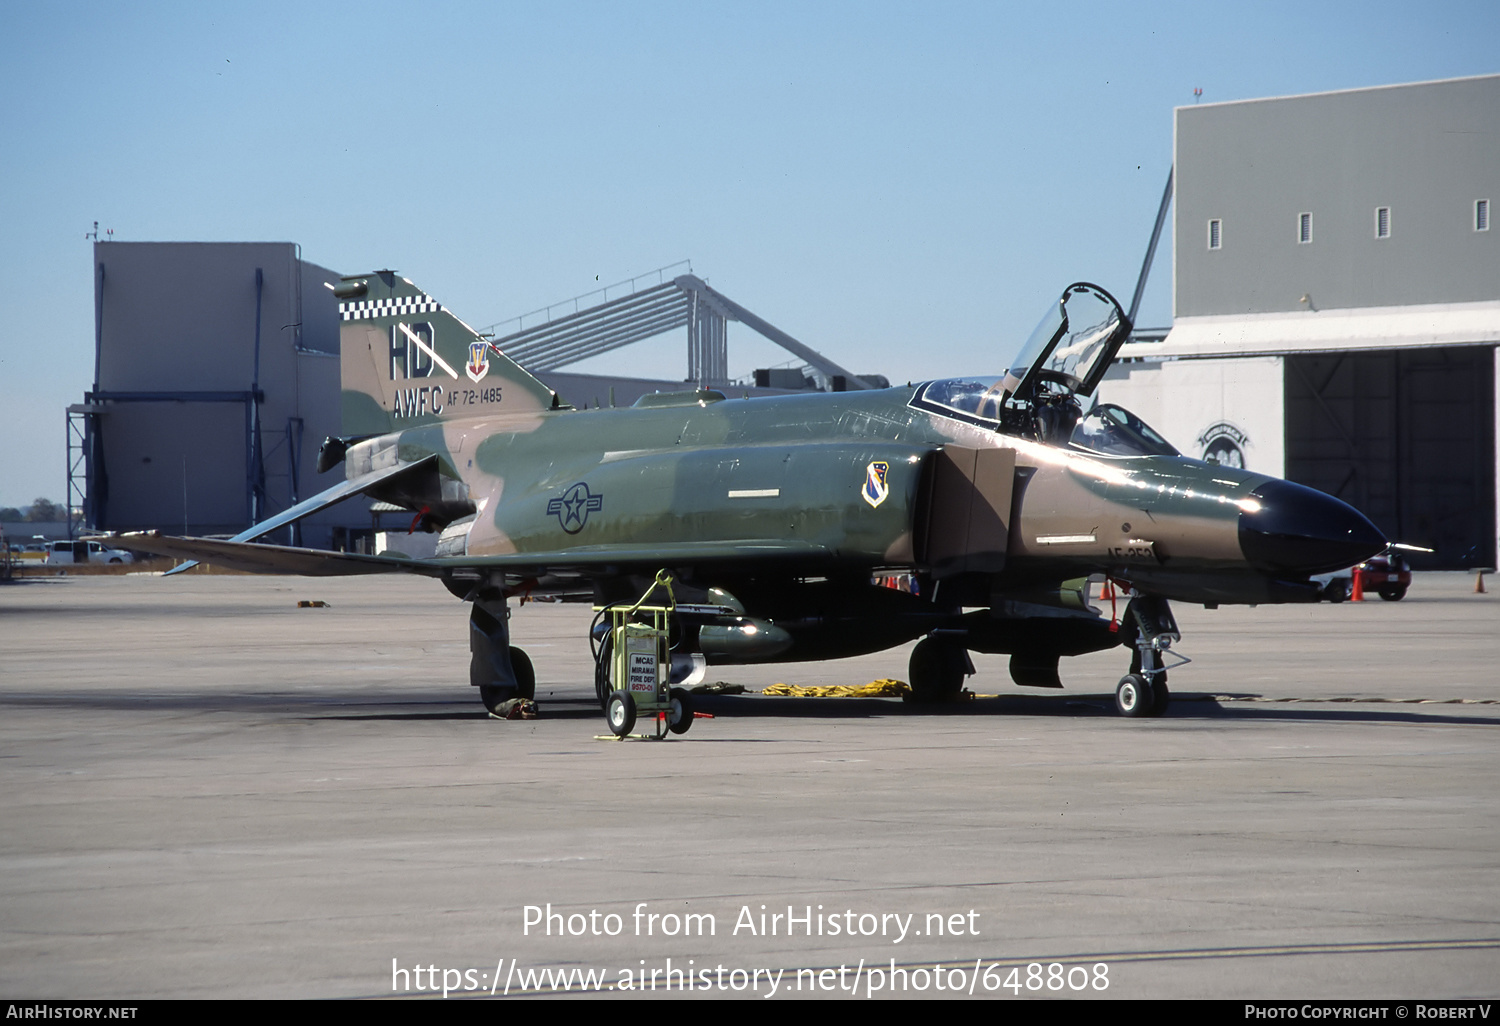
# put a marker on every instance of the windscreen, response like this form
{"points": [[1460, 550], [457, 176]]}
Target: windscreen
{"points": [[1114, 431]]}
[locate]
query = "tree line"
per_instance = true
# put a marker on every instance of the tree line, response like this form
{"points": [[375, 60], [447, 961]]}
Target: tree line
{"points": [[41, 511]]}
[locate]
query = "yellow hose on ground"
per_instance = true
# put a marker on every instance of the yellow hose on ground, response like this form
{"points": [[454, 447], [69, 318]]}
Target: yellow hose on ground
{"points": [[875, 689]]}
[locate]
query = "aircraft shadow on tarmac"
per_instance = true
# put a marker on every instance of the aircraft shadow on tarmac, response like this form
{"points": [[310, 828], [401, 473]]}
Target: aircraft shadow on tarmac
{"points": [[412, 707], [1184, 707], [350, 707]]}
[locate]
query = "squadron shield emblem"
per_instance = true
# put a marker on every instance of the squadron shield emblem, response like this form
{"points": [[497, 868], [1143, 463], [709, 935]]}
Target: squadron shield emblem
{"points": [[876, 488], [479, 361]]}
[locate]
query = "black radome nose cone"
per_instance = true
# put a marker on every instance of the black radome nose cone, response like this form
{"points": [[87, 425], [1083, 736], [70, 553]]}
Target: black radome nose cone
{"points": [[1301, 530]]}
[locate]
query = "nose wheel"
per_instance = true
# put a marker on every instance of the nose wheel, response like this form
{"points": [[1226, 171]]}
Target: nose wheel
{"points": [[1136, 696]]}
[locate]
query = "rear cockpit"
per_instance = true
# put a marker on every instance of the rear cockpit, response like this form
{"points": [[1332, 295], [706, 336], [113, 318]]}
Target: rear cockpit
{"points": [[1038, 397], [1106, 430]]}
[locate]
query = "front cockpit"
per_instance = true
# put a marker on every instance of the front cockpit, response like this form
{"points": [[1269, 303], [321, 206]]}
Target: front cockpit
{"points": [[1110, 430]]}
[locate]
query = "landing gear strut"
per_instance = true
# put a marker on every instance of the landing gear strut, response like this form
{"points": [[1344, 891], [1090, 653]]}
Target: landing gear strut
{"points": [[1150, 630], [499, 671]]}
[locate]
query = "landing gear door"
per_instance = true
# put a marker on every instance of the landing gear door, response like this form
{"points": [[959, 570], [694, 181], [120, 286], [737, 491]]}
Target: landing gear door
{"points": [[967, 527]]}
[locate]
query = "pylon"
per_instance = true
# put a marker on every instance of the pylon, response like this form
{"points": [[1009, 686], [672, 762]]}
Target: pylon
{"points": [[1358, 593], [1479, 583]]}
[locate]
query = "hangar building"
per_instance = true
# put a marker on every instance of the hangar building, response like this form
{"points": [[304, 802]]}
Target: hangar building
{"points": [[216, 376], [1336, 303]]}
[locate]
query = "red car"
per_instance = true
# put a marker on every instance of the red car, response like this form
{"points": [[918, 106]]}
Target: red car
{"points": [[1387, 575]]}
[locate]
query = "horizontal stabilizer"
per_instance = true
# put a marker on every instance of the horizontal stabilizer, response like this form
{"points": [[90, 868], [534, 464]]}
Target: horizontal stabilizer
{"points": [[338, 493]]}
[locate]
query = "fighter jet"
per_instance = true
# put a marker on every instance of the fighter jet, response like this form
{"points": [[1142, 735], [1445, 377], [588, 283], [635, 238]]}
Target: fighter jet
{"points": [[998, 500]]}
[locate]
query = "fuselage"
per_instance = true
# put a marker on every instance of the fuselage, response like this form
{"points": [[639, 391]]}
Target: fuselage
{"points": [[851, 476]]}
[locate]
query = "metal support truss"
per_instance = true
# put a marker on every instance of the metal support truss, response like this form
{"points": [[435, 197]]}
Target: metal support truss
{"points": [[684, 302], [81, 428]]}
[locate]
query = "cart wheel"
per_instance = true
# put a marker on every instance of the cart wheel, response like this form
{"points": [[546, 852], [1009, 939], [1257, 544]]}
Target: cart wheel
{"points": [[620, 712], [1133, 696], [680, 718]]}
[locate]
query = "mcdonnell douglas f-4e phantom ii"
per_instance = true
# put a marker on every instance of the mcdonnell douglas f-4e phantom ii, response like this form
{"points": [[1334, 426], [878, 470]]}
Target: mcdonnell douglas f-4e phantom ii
{"points": [[777, 515]]}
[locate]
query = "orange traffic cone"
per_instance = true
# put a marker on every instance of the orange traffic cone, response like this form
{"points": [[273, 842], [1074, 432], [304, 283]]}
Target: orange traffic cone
{"points": [[1358, 594]]}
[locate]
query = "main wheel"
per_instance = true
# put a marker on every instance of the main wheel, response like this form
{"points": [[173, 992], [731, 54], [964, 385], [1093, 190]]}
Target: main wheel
{"points": [[1133, 696], [936, 670], [619, 711], [1337, 590], [493, 696], [520, 665], [680, 717]]}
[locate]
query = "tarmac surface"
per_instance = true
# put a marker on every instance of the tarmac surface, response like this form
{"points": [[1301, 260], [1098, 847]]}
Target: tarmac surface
{"points": [[207, 791]]}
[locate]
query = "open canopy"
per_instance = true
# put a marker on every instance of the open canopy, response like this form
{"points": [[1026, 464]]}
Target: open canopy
{"points": [[1072, 346]]}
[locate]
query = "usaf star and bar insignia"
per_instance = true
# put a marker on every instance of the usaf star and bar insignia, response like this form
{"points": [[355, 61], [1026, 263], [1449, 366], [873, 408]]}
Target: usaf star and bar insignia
{"points": [[573, 509]]}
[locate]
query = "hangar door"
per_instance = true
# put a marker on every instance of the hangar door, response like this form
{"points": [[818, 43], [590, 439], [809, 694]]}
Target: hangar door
{"points": [[1407, 437]]}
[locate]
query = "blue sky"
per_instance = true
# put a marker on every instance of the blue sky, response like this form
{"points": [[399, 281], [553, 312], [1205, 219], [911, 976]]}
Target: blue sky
{"points": [[901, 185]]}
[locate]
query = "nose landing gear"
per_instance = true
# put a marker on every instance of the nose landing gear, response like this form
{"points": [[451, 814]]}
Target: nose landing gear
{"points": [[1151, 631]]}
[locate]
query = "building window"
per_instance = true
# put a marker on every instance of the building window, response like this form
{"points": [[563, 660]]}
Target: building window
{"points": [[1304, 228], [1215, 233], [1481, 215], [1382, 222]]}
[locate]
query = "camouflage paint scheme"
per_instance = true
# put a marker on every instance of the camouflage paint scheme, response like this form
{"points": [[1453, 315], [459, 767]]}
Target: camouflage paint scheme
{"points": [[778, 512]]}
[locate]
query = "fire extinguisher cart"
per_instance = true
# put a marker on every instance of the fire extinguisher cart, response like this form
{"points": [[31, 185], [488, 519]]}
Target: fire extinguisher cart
{"points": [[637, 664]]}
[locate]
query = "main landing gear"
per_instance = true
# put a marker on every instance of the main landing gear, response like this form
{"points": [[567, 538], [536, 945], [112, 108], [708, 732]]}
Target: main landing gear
{"points": [[501, 672], [1151, 631], [495, 695], [938, 667]]}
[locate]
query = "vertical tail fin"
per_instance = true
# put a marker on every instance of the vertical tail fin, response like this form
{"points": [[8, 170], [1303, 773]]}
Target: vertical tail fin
{"points": [[407, 361]]}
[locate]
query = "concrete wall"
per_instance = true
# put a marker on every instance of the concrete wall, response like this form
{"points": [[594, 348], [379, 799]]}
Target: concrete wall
{"points": [[1427, 151]]}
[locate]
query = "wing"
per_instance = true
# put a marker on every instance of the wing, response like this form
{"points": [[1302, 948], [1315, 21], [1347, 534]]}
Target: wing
{"points": [[283, 559]]}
